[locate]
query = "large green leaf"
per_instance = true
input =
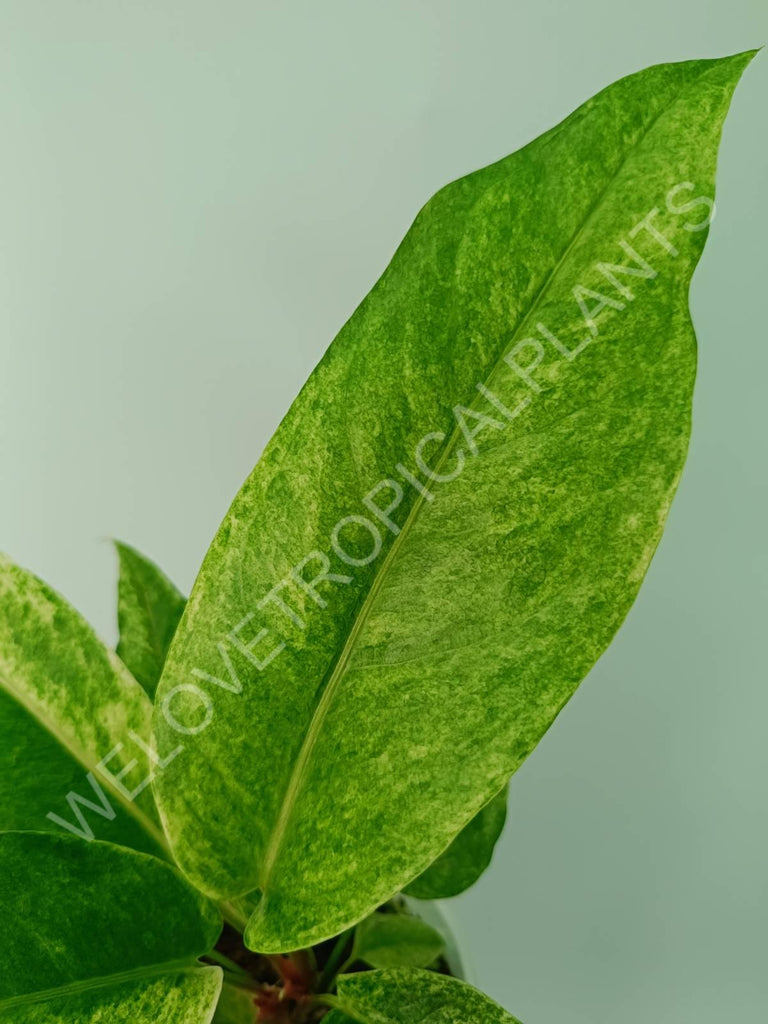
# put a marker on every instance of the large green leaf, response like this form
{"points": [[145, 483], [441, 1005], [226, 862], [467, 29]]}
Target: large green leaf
{"points": [[149, 607], [173, 997], [407, 996], [74, 724], [91, 930], [341, 731], [466, 858]]}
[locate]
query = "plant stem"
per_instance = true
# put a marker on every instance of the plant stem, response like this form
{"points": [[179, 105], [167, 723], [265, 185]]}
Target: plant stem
{"points": [[224, 962], [332, 968], [243, 981], [296, 971], [233, 975], [325, 999], [233, 916]]}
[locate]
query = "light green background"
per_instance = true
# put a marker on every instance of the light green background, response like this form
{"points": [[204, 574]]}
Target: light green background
{"points": [[194, 198]]}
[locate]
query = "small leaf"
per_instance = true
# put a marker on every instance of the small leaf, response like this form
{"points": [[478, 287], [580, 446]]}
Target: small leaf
{"points": [[405, 996], [396, 940], [236, 1006], [83, 920], [361, 669], [72, 719], [466, 858], [149, 607]]}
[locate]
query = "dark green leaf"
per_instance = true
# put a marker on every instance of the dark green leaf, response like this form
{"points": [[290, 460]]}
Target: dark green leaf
{"points": [[340, 735], [92, 927], [149, 607], [466, 858], [72, 719]]}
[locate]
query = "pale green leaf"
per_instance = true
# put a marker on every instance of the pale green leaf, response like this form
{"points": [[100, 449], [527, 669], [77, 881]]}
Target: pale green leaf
{"points": [[93, 927], [235, 1006], [72, 718], [466, 858], [149, 607], [405, 996], [340, 735], [396, 940]]}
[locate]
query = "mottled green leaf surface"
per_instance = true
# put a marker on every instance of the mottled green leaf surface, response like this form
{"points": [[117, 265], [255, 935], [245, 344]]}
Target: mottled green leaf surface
{"points": [[72, 718], [396, 940], [466, 858], [90, 928], [404, 996], [149, 607], [342, 731], [174, 997]]}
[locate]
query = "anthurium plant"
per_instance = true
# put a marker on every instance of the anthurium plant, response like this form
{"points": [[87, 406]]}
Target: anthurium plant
{"points": [[229, 817]]}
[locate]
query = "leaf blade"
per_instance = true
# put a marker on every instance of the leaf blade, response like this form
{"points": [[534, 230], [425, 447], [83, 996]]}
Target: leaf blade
{"points": [[184, 997], [407, 996], [396, 940], [148, 612], [66, 705], [554, 536], [104, 912], [468, 856], [235, 1006]]}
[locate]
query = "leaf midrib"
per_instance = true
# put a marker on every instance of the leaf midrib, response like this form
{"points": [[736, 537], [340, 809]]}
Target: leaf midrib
{"points": [[335, 675], [102, 981]]}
